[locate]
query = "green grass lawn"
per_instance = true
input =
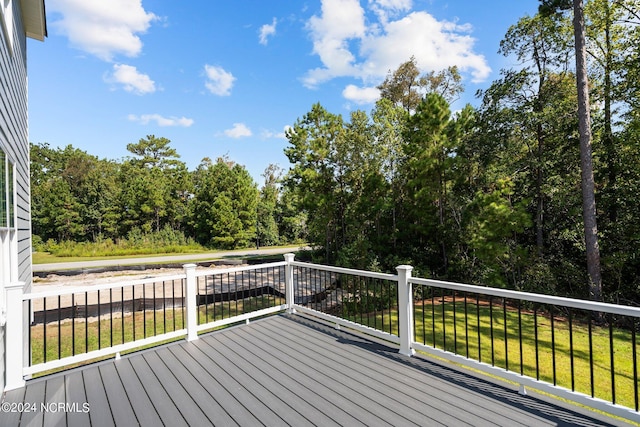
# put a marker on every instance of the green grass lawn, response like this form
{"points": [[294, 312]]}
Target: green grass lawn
{"points": [[560, 350], [47, 258]]}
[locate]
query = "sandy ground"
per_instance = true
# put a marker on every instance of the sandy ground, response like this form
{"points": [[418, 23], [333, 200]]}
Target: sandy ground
{"points": [[55, 282], [156, 287], [154, 282]]}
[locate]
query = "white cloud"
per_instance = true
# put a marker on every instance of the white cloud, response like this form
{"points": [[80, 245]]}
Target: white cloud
{"points": [[341, 21], [268, 134], [350, 46], [219, 81], [361, 95], [102, 28], [385, 9], [161, 121], [435, 44], [131, 79], [239, 130], [266, 31]]}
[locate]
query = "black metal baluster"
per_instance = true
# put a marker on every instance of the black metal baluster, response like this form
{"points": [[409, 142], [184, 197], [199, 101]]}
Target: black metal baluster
{"points": [[553, 344], [235, 282], [206, 300], [368, 299], [182, 290], [73, 324], [29, 333], [635, 363], [611, 356], [99, 323], [466, 325], [433, 317], [591, 354], [122, 311], [144, 310], [493, 353], [424, 328], [506, 334], [110, 317], [155, 309], [444, 328], [535, 333], [389, 286], [173, 303], [381, 304], [229, 293], [86, 322], [133, 310], [479, 328], [573, 381], [361, 309], [262, 285], [59, 329], [455, 329], [250, 300], [520, 336], [213, 290], [44, 328], [334, 296]]}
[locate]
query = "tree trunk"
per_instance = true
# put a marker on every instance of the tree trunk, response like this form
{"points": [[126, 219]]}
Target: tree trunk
{"points": [[586, 161]]}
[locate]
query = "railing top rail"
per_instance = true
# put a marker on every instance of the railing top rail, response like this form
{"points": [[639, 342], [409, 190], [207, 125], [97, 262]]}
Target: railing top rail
{"points": [[217, 271], [372, 274], [527, 296], [102, 287]]}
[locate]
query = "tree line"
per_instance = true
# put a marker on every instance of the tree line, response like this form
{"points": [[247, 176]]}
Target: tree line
{"points": [[78, 197], [494, 194], [490, 195]]}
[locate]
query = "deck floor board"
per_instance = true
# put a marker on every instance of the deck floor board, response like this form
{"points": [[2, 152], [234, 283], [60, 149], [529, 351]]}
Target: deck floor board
{"points": [[74, 388], [141, 405], [162, 402], [284, 370], [100, 411], [379, 374]]}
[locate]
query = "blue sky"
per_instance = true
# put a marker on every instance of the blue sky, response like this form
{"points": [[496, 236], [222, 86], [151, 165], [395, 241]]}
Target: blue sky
{"points": [[227, 77]]}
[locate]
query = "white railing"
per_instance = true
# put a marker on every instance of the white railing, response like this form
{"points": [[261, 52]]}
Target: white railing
{"points": [[505, 318], [396, 307], [164, 307]]}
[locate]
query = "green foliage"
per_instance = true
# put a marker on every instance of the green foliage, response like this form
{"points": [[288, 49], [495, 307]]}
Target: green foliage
{"points": [[224, 205], [136, 242], [151, 203], [493, 233]]}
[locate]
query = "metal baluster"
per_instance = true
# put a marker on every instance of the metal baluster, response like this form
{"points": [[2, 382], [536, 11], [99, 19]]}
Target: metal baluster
{"points": [[506, 334], [553, 345]]}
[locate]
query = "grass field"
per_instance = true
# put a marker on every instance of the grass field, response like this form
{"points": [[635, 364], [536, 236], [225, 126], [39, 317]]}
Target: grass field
{"points": [[560, 355]]}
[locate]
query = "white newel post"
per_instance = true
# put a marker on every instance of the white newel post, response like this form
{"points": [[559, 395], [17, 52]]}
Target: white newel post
{"points": [[288, 283], [405, 310], [14, 335], [192, 307]]}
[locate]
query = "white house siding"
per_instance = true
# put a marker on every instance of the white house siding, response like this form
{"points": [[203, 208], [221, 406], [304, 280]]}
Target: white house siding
{"points": [[15, 143]]}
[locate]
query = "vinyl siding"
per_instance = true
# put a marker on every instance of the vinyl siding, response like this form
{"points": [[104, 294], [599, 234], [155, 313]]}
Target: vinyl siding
{"points": [[14, 141]]}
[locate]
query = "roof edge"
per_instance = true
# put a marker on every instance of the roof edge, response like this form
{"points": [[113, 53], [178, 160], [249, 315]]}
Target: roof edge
{"points": [[34, 18]]}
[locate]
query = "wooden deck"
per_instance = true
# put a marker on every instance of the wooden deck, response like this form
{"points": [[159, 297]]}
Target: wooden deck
{"points": [[283, 370]]}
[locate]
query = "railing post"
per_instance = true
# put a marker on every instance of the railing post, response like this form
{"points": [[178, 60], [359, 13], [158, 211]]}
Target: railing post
{"points": [[288, 283], [14, 336], [405, 310], [192, 306]]}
